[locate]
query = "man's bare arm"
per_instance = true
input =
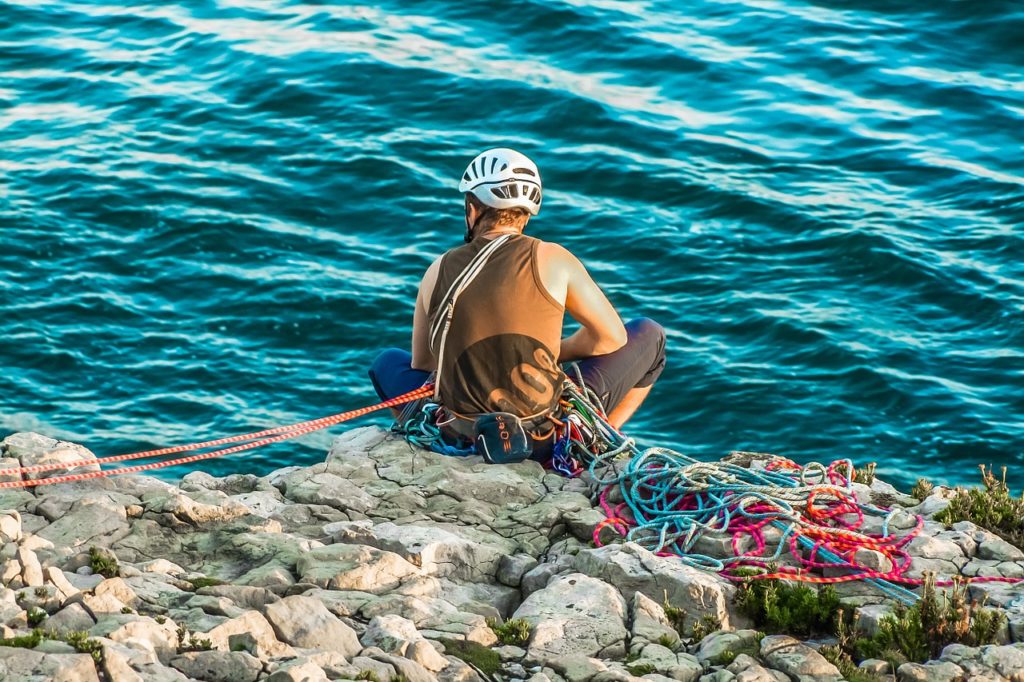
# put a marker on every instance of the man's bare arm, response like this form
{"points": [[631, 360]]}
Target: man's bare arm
{"points": [[422, 357], [601, 330]]}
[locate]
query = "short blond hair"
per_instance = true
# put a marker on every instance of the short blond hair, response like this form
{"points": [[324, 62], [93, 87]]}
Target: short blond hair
{"points": [[498, 217]]}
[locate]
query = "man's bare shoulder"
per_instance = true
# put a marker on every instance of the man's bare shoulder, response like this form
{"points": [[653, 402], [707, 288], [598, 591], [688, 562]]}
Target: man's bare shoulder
{"points": [[554, 251]]}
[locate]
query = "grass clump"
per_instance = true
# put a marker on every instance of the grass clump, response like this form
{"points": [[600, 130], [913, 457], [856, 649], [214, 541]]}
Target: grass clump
{"points": [[35, 616], [641, 669], [476, 655], [922, 489], [704, 626], [203, 581], [189, 641], [866, 474], [103, 563], [29, 641], [991, 507], [78, 640], [667, 641], [367, 675], [781, 607], [835, 655], [83, 645], [515, 631]]}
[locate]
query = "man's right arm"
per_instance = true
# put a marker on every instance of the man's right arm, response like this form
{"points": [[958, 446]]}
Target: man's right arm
{"points": [[422, 357], [601, 331]]}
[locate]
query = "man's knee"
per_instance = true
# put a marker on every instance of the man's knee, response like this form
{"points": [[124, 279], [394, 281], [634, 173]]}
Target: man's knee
{"points": [[650, 336], [389, 358], [646, 330]]}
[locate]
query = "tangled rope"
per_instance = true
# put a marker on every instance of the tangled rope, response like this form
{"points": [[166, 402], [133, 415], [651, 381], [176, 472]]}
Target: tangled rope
{"points": [[808, 516]]}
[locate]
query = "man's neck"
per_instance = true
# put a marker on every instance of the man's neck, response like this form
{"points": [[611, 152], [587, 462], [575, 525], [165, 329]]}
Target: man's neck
{"points": [[495, 233]]}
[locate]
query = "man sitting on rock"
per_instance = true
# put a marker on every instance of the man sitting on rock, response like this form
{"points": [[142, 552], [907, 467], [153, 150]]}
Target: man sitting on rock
{"points": [[488, 319]]}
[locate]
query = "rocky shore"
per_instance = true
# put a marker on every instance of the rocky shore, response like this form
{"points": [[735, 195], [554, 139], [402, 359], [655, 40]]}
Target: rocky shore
{"points": [[388, 563]]}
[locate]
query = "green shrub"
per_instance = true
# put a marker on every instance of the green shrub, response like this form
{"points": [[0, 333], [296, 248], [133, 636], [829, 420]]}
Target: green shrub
{"points": [[991, 507], [918, 633], [667, 641], [36, 616], [475, 654], [781, 607], [103, 563], [515, 631]]}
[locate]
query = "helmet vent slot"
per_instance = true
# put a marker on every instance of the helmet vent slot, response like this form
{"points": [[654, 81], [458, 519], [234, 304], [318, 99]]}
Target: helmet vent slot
{"points": [[513, 191], [524, 171], [494, 162]]}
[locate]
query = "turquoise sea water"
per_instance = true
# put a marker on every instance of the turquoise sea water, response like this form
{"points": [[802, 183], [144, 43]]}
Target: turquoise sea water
{"points": [[213, 213]]}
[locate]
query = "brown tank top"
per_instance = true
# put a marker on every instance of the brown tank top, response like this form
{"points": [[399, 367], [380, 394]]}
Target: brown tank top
{"points": [[501, 352]]}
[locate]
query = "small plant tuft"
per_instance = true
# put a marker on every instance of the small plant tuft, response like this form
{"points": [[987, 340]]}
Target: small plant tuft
{"points": [[475, 654], [29, 641], [160, 620], [35, 616], [667, 641], [991, 507], [189, 641], [103, 563], [203, 581], [922, 489], [368, 675], [515, 631], [704, 626], [835, 655], [866, 474], [641, 669], [83, 645]]}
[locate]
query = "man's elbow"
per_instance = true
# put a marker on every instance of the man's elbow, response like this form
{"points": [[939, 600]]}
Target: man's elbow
{"points": [[613, 341]]}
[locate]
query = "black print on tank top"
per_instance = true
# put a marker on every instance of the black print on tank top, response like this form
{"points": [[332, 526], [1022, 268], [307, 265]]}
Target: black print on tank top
{"points": [[509, 373]]}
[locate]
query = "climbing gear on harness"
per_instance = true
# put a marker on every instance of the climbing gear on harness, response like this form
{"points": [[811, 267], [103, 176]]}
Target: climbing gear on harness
{"points": [[500, 438], [504, 178]]}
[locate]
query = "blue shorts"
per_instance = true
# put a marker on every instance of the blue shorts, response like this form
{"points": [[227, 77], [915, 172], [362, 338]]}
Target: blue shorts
{"points": [[636, 365]]}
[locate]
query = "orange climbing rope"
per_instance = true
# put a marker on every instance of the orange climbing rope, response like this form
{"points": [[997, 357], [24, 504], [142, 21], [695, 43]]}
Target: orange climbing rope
{"points": [[256, 439]]}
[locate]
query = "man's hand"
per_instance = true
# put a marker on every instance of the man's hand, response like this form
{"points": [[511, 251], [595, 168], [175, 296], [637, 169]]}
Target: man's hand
{"points": [[565, 278]]}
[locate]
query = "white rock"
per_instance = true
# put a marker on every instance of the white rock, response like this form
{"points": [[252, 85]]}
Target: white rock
{"points": [[632, 568], [575, 614], [25, 665], [796, 659], [391, 634], [33, 449], [219, 666], [305, 622], [31, 569], [424, 653], [354, 567], [10, 526]]}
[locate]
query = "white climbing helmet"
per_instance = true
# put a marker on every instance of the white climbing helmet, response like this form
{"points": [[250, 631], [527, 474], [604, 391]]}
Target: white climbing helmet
{"points": [[504, 178]]}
